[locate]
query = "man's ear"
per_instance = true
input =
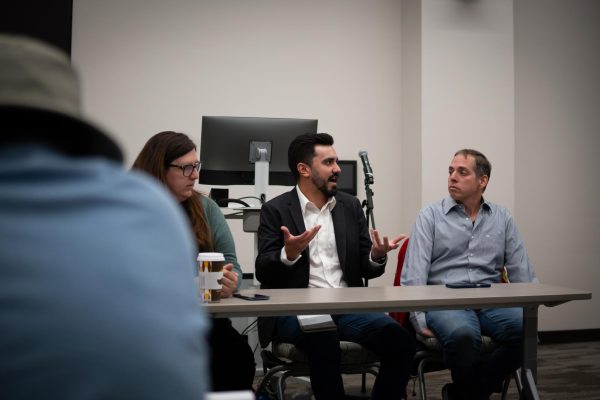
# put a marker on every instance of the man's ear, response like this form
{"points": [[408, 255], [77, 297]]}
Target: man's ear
{"points": [[303, 169], [483, 181]]}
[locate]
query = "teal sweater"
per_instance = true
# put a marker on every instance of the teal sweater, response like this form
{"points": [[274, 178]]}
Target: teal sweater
{"points": [[221, 235]]}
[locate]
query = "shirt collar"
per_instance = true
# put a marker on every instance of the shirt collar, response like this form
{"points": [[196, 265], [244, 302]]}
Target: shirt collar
{"points": [[449, 204], [304, 201]]}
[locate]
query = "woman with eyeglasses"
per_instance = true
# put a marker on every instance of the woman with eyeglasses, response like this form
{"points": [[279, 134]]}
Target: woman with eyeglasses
{"points": [[172, 158]]}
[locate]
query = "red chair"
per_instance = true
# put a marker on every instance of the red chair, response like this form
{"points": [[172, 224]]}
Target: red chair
{"points": [[401, 317]]}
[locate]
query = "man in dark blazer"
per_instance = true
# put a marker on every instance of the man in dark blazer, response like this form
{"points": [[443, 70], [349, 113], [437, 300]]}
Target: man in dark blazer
{"points": [[313, 236]]}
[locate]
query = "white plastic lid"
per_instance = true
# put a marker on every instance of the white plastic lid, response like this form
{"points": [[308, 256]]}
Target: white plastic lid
{"points": [[210, 257]]}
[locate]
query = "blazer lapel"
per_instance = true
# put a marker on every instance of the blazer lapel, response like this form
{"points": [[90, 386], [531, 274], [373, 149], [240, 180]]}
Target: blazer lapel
{"points": [[339, 227], [296, 213]]}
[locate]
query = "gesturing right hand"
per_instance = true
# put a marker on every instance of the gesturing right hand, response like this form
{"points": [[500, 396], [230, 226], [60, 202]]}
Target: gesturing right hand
{"points": [[294, 245]]}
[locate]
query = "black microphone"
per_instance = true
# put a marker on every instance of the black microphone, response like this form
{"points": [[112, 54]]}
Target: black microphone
{"points": [[364, 157]]}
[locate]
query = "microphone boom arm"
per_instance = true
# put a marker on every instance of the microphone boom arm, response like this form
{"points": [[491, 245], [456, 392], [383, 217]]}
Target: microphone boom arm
{"points": [[368, 203], [369, 180]]}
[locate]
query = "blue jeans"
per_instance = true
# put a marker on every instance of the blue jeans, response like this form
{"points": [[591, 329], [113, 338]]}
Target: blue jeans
{"points": [[377, 332], [477, 376]]}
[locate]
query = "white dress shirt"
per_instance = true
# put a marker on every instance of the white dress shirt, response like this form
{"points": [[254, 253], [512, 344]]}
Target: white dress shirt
{"points": [[325, 270]]}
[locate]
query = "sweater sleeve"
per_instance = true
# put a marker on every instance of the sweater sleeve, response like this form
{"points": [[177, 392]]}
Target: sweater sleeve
{"points": [[221, 235]]}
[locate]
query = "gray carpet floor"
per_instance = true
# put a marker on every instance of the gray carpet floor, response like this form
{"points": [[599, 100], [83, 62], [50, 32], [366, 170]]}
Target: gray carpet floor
{"points": [[565, 371]]}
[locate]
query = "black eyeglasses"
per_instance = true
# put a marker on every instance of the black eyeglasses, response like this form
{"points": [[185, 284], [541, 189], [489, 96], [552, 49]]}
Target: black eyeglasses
{"points": [[189, 168]]}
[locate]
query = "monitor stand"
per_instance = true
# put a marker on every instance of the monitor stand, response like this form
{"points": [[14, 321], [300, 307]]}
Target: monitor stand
{"points": [[261, 180]]}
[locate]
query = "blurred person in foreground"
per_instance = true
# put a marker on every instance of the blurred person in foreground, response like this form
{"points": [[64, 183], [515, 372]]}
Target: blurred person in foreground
{"points": [[465, 238], [96, 288], [172, 158]]}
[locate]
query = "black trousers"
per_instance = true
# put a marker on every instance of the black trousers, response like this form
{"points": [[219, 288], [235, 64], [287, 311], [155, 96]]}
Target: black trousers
{"points": [[232, 365]]}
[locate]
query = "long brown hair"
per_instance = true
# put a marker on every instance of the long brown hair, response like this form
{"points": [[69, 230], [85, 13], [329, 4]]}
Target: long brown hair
{"points": [[156, 156]]}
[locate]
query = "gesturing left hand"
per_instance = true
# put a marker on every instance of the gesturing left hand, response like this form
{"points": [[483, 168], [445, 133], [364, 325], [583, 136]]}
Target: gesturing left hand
{"points": [[380, 248]]}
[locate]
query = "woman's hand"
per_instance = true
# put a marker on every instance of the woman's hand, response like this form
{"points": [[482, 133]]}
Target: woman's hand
{"points": [[229, 282]]}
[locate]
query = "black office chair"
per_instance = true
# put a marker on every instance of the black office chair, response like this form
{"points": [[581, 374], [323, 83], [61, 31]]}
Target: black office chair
{"points": [[286, 360], [428, 357]]}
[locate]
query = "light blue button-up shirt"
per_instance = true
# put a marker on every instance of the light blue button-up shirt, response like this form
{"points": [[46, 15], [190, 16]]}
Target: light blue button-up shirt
{"points": [[447, 247]]}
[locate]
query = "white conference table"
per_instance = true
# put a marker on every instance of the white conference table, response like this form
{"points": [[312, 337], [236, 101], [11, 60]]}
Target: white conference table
{"points": [[529, 296]]}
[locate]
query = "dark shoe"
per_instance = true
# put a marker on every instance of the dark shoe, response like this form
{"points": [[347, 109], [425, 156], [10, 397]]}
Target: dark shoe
{"points": [[450, 392]]}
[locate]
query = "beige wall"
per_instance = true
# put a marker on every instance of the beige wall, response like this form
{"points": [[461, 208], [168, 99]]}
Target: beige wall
{"points": [[467, 91], [410, 81], [557, 120], [154, 65]]}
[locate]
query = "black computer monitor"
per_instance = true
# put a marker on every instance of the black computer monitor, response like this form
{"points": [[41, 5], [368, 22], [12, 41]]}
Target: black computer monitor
{"points": [[226, 142], [347, 179]]}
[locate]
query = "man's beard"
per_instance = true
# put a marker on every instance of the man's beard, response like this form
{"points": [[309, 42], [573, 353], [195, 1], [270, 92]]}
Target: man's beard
{"points": [[329, 193], [322, 186]]}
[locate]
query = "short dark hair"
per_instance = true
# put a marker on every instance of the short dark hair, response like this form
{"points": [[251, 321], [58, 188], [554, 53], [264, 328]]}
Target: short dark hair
{"points": [[302, 149], [482, 164]]}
